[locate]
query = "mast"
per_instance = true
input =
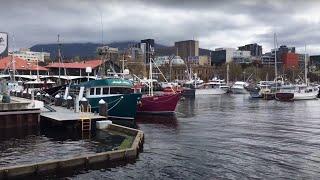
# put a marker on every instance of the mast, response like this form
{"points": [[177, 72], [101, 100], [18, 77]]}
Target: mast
{"points": [[305, 65], [59, 58], [275, 57], [227, 74], [13, 62], [150, 78]]}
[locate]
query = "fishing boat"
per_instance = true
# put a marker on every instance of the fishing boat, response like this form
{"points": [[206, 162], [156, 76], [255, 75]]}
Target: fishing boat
{"points": [[116, 92], [239, 87], [157, 103]]}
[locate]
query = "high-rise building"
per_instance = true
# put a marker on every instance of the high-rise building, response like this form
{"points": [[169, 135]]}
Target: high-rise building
{"points": [[147, 47], [188, 48], [222, 55], [255, 49]]}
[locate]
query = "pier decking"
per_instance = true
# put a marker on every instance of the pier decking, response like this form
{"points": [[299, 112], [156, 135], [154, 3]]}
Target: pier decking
{"points": [[64, 114]]}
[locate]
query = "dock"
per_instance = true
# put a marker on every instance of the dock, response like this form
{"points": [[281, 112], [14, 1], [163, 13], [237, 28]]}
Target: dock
{"points": [[62, 114]]}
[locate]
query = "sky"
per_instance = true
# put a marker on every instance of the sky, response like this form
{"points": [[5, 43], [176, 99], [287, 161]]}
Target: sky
{"points": [[225, 23]]}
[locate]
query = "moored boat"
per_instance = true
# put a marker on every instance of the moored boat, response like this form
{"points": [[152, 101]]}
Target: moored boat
{"points": [[116, 92], [239, 87], [159, 104]]}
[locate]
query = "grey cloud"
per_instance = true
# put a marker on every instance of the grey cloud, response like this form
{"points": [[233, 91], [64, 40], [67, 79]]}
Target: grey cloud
{"points": [[36, 21]]}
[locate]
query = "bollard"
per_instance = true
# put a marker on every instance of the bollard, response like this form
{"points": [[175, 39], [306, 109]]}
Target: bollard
{"points": [[47, 98], [12, 93], [24, 94], [57, 100], [103, 108], [84, 105], [18, 93], [38, 96], [69, 102], [29, 95]]}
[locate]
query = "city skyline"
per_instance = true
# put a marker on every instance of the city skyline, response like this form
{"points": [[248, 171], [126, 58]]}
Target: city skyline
{"points": [[213, 23]]}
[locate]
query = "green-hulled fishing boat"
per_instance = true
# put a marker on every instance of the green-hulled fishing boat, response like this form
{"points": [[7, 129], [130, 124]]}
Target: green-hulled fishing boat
{"points": [[117, 92]]}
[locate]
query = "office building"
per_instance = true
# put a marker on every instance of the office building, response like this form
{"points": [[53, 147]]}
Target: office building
{"points": [[188, 48], [255, 49]]}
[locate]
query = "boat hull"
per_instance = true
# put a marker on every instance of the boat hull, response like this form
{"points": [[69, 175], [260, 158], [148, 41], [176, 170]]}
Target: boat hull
{"points": [[188, 92], [210, 91], [122, 106], [239, 90], [284, 96], [268, 96], [305, 96], [159, 104]]}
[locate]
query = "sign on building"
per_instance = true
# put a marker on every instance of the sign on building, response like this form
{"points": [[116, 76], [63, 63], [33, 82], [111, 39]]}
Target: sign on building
{"points": [[3, 44]]}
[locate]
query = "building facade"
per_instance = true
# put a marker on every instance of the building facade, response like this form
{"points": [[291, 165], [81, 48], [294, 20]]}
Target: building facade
{"points": [[31, 56], [315, 62], [290, 60], [147, 47], [255, 49], [188, 48], [224, 55]]}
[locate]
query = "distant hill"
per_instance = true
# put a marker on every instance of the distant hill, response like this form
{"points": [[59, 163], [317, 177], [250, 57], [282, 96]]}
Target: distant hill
{"points": [[83, 50], [88, 50]]}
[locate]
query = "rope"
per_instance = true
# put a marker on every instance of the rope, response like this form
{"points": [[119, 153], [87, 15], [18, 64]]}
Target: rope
{"points": [[119, 100]]}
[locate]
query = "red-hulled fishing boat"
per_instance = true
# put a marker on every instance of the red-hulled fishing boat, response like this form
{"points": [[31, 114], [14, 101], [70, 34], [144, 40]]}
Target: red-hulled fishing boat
{"points": [[158, 103]]}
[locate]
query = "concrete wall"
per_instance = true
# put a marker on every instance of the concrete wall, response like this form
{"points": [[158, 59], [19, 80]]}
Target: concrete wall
{"points": [[81, 161]]}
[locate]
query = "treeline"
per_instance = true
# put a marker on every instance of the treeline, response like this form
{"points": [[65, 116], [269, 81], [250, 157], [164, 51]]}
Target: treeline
{"points": [[256, 72]]}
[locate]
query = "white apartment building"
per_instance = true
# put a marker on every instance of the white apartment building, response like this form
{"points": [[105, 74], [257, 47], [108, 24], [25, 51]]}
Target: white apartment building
{"points": [[31, 56]]}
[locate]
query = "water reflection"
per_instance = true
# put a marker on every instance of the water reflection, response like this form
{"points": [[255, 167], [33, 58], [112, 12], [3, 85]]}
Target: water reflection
{"points": [[166, 120]]}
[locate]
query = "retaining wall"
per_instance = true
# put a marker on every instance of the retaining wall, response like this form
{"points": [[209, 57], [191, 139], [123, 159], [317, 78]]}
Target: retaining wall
{"points": [[83, 160]]}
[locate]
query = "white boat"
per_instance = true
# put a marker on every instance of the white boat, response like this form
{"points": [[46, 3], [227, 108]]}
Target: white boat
{"points": [[239, 87], [214, 87], [304, 92]]}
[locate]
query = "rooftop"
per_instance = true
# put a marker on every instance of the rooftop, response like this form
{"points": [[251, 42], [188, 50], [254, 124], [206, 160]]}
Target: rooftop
{"points": [[76, 65], [20, 64]]}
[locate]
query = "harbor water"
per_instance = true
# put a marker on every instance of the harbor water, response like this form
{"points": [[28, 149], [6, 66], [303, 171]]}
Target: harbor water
{"points": [[221, 137], [227, 137]]}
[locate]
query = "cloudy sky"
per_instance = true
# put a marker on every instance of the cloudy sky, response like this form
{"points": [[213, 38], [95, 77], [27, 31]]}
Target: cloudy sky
{"points": [[225, 23]]}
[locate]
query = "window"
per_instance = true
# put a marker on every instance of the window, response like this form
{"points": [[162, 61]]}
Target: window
{"points": [[92, 90], [98, 91], [105, 91]]}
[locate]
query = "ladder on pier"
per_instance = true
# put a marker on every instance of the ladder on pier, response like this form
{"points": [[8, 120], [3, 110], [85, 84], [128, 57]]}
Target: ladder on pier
{"points": [[86, 124], [85, 119]]}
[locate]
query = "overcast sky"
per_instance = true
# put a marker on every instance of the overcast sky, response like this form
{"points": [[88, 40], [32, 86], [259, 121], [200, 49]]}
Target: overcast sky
{"points": [[225, 23]]}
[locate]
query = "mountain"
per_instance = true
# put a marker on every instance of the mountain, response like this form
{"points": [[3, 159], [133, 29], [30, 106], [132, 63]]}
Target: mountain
{"points": [[82, 50], [88, 50]]}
